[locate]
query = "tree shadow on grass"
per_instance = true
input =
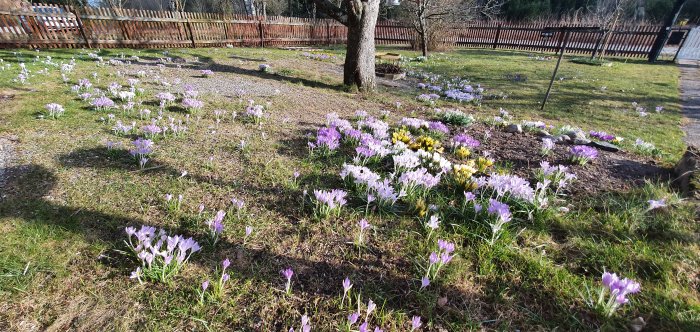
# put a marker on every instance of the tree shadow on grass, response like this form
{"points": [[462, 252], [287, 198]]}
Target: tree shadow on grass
{"points": [[217, 67], [318, 274], [27, 197], [237, 57], [277, 197]]}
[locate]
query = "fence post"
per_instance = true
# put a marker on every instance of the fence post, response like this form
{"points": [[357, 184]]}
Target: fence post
{"points": [[81, 28], [665, 31], [262, 33], [189, 29], [498, 35], [680, 46]]}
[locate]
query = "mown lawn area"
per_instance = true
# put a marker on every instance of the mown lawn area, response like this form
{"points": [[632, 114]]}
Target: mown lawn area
{"points": [[239, 174]]}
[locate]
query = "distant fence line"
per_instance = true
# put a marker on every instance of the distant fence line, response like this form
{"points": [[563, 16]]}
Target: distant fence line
{"points": [[54, 26]]}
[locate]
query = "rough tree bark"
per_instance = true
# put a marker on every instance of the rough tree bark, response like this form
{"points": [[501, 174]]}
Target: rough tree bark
{"points": [[360, 17], [423, 36]]}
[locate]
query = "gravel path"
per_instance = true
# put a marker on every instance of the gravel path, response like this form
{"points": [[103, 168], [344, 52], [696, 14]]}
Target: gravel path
{"points": [[690, 97]]}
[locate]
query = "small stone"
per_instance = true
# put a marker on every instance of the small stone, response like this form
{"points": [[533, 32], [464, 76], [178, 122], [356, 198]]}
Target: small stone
{"points": [[638, 324], [578, 141], [442, 301], [576, 134], [514, 128], [605, 146], [561, 139], [543, 133], [688, 171]]}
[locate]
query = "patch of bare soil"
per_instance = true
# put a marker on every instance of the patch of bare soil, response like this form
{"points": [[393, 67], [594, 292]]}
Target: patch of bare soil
{"points": [[611, 171], [304, 104]]}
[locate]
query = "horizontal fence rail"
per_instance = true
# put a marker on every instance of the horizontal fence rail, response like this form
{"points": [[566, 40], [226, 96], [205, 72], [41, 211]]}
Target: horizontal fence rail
{"points": [[55, 26]]}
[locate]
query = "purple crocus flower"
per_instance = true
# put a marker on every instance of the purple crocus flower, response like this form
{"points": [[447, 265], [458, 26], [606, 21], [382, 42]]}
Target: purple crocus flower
{"points": [[328, 137], [288, 273], [439, 127], [582, 154], [353, 317], [433, 258], [102, 103], [464, 140], [601, 135], [469, 196], [656, 204], [363, 327], [501, 210], [205, 285], [415, 323], [424, 282], [363, 224], [346, 285], [620, 288]]}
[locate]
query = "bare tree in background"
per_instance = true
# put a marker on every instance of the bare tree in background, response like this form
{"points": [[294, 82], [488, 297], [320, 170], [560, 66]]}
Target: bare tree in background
{"points": [[113, 4], [607, 14], [427, 17], [277, 7]]}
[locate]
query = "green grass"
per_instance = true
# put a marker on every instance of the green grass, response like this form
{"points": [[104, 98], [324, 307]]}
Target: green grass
{"points": [[67, 201], [593, 98]]}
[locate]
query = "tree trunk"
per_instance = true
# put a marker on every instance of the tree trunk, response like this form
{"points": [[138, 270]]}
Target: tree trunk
{"points": [[359, 59], [609, 35], [423, 37]]}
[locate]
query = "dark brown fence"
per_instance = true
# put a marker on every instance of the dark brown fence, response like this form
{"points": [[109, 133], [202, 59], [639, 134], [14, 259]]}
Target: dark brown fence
{"points": [[52, 26], [631, 41]]}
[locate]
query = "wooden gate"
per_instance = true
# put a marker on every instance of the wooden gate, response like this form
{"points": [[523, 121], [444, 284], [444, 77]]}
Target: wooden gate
{"points": [[691, 47]]}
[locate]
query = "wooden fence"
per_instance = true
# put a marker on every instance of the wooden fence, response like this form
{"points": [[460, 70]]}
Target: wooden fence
{"points": [[53, 26], [629, 41]]}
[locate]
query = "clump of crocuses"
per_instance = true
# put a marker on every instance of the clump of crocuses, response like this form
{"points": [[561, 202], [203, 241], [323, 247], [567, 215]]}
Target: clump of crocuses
{"points": [[141, 150], [438, 259], [617, 290], [547, 146], [216, 226], [255, 113], [582, 154], [162, 256], [329, 202], [54, 110], [102, 103], [217, 287], [327, 140]]}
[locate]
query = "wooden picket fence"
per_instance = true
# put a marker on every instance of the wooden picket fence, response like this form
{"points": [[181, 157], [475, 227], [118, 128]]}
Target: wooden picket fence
{"points": [[627, 41], [54, 26]]}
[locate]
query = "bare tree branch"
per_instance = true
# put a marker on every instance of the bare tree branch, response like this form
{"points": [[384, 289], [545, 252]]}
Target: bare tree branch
{"points": [[332, 10]]}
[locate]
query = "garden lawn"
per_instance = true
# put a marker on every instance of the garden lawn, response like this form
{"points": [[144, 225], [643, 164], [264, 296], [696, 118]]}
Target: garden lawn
{"points": [[66, 198]]}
